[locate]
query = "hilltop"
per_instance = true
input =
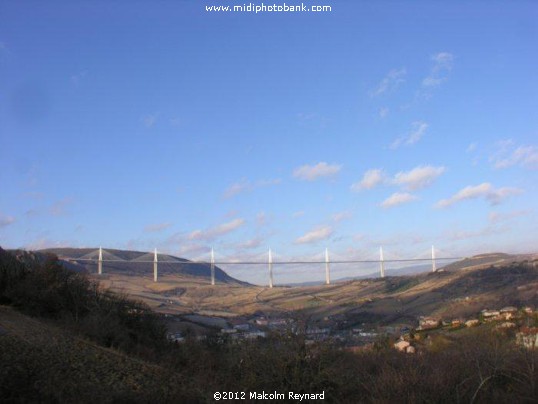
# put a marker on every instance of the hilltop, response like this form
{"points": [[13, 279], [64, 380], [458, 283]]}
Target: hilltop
{"points": [[127, 262]]}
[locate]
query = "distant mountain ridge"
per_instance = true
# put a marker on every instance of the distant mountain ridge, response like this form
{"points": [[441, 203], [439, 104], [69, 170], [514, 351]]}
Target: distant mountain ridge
{"points": [[402, 271], [136, 263], [450, 265]]}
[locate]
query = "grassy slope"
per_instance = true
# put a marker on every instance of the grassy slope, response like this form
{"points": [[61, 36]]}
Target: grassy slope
{"points": [[41, 362]]}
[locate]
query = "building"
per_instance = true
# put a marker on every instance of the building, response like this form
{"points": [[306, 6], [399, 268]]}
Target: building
{"points": [[402, 346], [490, 314], [472, 323], [426, 323]]}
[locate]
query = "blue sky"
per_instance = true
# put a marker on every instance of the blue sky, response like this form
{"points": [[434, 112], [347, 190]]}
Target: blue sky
{"points": [[158, 124]]}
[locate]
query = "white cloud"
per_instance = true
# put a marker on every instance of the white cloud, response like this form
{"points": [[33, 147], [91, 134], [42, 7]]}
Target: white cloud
{"points": [[383, 112], [391, 81], [311, 173], [499, 217], [6, 221], [418, 129], [245, 185], [443, 61], [487, 231], [268, 183], [201, 251], [214, 232], [340, 216], [152, 228], [370, 179], [485, 190], [261, 218], [237, 188], [398, 198], [432, 81], [418, 177], [149, 120], [298, 213], [508, 155], [471, 148], [442, 65], [251, 244], [60, 207], [318, 234]]}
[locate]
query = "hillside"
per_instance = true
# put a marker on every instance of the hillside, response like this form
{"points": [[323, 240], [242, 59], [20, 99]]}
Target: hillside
{"points": [[49, 364], [462, 289], [87, 344], [138, 263], [485, 260]]}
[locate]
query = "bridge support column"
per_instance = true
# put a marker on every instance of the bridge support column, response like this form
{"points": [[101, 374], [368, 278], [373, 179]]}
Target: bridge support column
{"points": [[327, 268], [100, 262], [381, 262], [212, 267], [270, 263], [155, 267]]}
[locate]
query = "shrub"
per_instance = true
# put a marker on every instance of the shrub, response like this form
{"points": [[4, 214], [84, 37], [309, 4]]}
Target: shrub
{"points": [[49, 290]]}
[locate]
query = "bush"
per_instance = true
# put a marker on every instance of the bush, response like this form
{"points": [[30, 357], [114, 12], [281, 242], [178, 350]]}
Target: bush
{"points": [[12, 272], [49, 290]]}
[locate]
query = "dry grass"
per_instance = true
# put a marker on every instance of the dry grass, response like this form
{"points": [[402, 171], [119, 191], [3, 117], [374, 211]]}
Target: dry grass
{"points": [[451, 293], [42, 362]]}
